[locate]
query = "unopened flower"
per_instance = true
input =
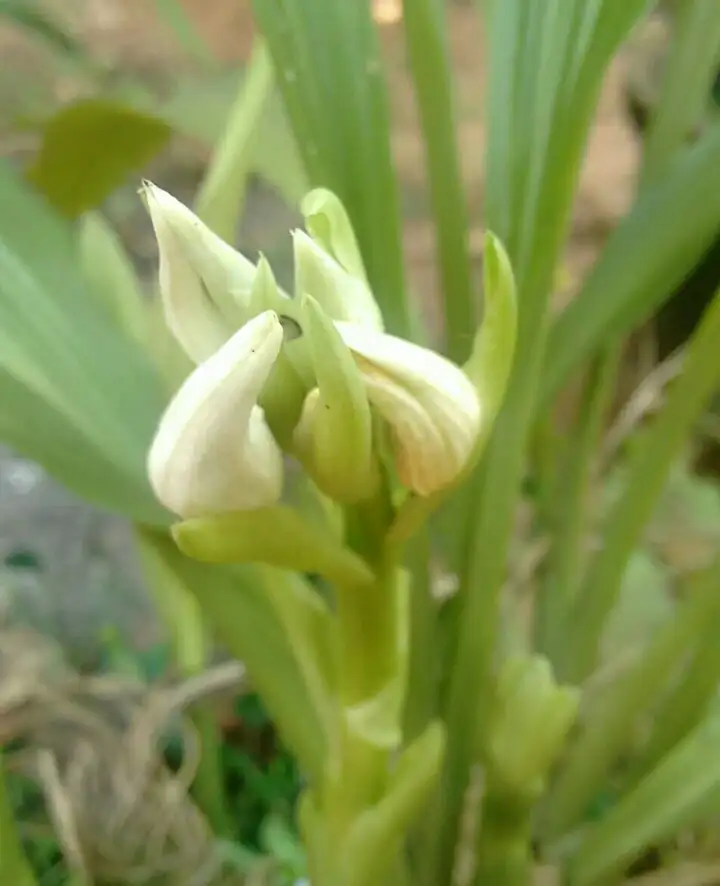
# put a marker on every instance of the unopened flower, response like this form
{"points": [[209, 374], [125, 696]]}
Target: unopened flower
{"points": [[205, 284], [430, 405], [213, 451], [532, 719]]}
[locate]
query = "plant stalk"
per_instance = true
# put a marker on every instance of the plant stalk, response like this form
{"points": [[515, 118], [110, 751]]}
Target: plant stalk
{"points": [[356, 773], [430, 62], [504, 851]]}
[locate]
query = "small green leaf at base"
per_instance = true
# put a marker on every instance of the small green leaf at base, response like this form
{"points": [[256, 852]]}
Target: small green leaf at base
{"points": [[278, 536]]}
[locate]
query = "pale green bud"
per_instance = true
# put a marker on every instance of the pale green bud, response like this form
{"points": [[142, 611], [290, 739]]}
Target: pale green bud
{"points": [[213, 451], [532, 720]]}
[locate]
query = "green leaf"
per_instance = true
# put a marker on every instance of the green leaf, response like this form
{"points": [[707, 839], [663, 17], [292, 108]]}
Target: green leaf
{"points": [[282, 844], [338, 107], [85, 381], [112, 276], [652, 458], [377, 836], [644, 604], [88, 150], [645, 259], [608, 728], [688, 73], [276, 535], [547, 62], [431, 65], [238, 605], [221, 197], [199, 109], [493, 353], [672, 797], [110, 271], [32, 426]]}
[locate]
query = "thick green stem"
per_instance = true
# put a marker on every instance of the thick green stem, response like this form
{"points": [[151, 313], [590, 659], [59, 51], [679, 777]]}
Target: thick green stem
{"points": [[504, 853], [432, 73], [367, 638], [651, 460], [568, 518], [423, 669], [369, 714]]}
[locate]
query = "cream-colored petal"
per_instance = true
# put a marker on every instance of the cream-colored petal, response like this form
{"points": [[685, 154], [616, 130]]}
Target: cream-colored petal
{"points": [[204, 283], [341, 295], [213, 451], [429, 403]]}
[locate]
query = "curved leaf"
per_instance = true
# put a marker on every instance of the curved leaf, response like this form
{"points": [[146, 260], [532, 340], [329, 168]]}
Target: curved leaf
{"points": [[77, 394]]}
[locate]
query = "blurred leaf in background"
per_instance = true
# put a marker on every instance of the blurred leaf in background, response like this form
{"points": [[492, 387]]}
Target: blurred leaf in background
{"points": [[78, 395], [89, 148]]}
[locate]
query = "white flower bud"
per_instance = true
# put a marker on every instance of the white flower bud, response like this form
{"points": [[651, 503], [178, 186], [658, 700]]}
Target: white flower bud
{"points": [[205, 284], [429, 403], [213, 451]]}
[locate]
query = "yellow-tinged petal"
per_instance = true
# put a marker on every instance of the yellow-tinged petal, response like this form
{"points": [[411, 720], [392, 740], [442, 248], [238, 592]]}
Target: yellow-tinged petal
{"points": [[429, 403], [213, 451], [205, 284]]}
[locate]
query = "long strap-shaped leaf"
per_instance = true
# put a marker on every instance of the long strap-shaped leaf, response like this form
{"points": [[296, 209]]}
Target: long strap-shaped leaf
{"points": [[90, 389], [328, 67], [651, 460], [647, 256], [674, 796]]}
